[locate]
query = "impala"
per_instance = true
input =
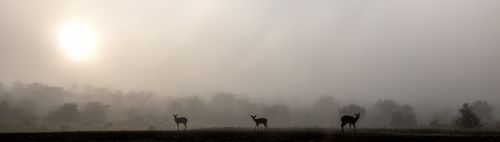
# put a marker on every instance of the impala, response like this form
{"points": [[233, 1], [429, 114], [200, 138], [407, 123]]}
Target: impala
{"points": [[182, 120], [351, 120], [258, 121]]}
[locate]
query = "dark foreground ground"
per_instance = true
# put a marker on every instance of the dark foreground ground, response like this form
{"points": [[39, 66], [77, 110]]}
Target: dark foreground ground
{"points": [[370, 135]]}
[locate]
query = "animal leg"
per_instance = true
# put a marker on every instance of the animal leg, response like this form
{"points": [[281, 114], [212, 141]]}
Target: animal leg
{"points": [[350, 127], [354, 126], [342, 125]]}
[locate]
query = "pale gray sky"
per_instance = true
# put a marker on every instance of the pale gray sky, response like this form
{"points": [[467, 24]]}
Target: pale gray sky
{"points": [[401, 49]]}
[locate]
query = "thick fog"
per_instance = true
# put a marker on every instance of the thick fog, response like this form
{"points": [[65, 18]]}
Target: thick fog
{"points": [[279, 59], [42, 107]]}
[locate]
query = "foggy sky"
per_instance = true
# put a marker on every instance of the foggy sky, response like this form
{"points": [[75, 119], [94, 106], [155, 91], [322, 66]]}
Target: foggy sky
{"points": [[355, 50]]}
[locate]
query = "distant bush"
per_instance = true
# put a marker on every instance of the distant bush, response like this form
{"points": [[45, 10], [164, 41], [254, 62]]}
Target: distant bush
{"points": [[95, 112], [65, 113], [483, 110], [389, 113]]}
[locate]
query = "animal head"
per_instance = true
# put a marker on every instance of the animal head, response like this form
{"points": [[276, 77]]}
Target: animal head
{"points": [[175, 115], [356, 114], [253, 116]]}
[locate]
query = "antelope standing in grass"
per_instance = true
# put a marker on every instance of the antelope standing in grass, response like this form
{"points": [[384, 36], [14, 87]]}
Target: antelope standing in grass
{"points": [[349, 119], [182, 120], [258, 121]]}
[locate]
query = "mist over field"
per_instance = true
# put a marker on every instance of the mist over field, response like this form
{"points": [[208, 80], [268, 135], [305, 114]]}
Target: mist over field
{"points": [[130, 65], [42, 107]]}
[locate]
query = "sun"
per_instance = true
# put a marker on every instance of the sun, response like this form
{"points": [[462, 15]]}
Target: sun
{"points": [[78, 41]]}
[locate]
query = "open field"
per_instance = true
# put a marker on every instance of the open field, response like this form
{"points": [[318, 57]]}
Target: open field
{"points": [[250, 135]]}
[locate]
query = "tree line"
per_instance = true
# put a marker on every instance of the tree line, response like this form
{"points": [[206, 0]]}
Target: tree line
{"points": [[42, 107]]}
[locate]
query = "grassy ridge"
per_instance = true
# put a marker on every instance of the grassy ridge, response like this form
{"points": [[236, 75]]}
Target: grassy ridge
{"points": [[250, 135]]}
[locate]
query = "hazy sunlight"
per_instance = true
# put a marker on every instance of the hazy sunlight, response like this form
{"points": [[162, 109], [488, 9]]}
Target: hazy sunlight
{"points": [[77, 40]]}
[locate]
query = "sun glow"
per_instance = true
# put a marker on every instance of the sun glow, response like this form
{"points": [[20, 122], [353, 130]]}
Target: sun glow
{"points": [[77, 41]]}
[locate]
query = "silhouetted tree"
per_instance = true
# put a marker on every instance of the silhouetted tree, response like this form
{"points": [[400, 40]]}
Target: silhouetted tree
{"points": [[442, 117], [65, 113], [278, 115], [222, 105], [468, 119], [325, 111], [351, 109], [24, 112], [4, 109], [196, 108], [23, 116], [43, 94], [404, 118], [139, 97], [224, 101], [95, 112], [382, 112], [117, 97], [386, 107], [389, 113], [483, 109], [194, 105], [174, 106], [133, 115]]}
